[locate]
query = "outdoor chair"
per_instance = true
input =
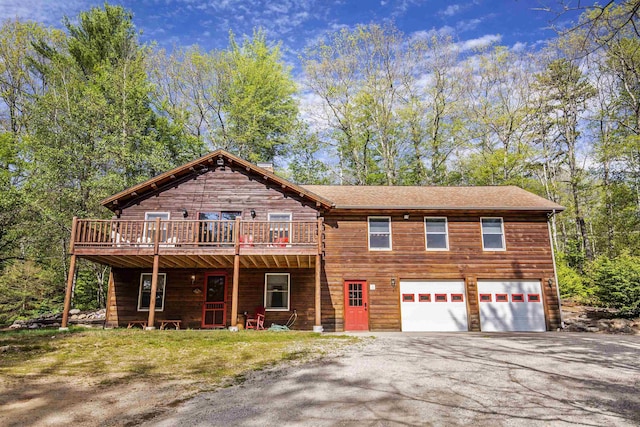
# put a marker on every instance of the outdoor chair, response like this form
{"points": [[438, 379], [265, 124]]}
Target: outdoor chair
{"points": [[257, 321]]}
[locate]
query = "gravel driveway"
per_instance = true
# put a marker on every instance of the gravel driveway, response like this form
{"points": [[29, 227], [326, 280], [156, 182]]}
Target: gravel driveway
{"points": [[421, 379]]}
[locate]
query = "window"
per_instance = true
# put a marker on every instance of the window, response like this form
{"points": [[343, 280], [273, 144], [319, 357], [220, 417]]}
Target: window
{"points": [[492, 234], [517, 298], [144, 295], [533, 298], [457, 298], [441, 297], [485, 297], [279, 227], [379, 233], [436, 234], [219, 232], [149, 230], [276, 294], [502, 298], [424, 297], [408, 298]]}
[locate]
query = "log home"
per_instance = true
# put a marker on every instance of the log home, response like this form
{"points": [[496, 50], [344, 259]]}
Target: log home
{"points": [[207, 242]]}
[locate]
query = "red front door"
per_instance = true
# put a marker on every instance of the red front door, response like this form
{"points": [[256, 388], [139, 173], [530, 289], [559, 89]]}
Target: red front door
{"points": [[214, 311], [356, 306]]}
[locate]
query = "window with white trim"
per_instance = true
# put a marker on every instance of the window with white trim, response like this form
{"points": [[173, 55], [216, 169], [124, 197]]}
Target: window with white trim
{"points": [[149, 232], [492, 234], [436, 231], [279, 224], [144, 294], [276, 291], [379, 233]]}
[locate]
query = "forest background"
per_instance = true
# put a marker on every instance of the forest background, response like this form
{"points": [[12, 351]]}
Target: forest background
{"points": [[88, 111]]}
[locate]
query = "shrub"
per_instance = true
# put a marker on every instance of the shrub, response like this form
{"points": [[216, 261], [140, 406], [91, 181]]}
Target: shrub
{"points": [[616, 282], [571, 282]]}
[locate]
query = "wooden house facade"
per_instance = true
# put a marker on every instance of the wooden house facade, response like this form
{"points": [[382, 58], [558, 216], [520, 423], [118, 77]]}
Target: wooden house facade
{"points": [[212, 240]]}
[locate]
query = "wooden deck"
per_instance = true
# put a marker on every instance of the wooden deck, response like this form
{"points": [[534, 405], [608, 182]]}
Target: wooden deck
{"points": [[198, 243]]}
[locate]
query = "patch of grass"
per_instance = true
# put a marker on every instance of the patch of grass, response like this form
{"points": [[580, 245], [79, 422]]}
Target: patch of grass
{"points": [[113, 356]]}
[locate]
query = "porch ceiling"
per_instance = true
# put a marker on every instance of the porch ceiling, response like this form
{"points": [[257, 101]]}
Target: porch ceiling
{"points": [[261, 260]]}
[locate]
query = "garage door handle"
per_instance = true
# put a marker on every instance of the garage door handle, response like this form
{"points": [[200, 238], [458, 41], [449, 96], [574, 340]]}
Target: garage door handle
{"points": [[365, 306]]}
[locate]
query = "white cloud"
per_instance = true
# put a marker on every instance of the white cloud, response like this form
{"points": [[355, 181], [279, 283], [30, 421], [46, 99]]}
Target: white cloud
{"points": [[451, 10], [47, 12], [519, 47], [480, 42]]}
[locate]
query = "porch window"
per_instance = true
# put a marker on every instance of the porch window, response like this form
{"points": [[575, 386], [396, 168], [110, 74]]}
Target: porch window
{"points": [[379, 233], [436, 233], [149, 231], [211, 232], [492, 234], [279, 224], [144, 294], [276, 292]]}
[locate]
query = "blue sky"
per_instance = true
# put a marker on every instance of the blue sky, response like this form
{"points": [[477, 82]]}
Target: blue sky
{"points": [[298, 23]]}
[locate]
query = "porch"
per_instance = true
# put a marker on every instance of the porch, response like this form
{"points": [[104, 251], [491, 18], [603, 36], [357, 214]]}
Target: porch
{"points": [[197, 245]]}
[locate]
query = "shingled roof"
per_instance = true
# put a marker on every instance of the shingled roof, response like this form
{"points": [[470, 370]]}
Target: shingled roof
{"points": [[432, 198]]}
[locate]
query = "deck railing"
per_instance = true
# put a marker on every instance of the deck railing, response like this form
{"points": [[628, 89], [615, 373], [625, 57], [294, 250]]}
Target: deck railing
{"points": [[115, 233]]}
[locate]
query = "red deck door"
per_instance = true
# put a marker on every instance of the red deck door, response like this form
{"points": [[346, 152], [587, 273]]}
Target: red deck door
{"points": [[214, 311], [356, 306]]}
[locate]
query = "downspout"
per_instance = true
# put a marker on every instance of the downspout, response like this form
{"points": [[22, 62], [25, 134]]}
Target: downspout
{"points": [[555, 271]]}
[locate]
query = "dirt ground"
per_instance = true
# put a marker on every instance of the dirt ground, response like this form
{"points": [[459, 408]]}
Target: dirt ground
{"points": [[55, 401]]}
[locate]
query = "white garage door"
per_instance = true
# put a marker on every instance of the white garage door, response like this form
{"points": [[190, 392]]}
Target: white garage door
{"points": [[433, 305], [510, 305]]}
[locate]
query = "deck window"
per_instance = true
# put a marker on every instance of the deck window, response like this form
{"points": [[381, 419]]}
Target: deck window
{"points": [[211, 231], [144, 294], [279, 224], [492, 234], [436, 233], [276, 293], [379, 233], [149, 230]]}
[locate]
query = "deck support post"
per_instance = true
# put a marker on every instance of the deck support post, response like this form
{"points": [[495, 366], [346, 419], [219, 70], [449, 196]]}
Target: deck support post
{"points": [[233, 326], [72, 273], [234, 293], [154, 291], [154, 277], [67, 297], [317, 327]]}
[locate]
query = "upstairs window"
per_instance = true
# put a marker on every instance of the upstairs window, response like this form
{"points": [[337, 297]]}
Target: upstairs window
{"points": [[436, 233], [492, 234], [150, 226], [379, 233], [279, 224]]}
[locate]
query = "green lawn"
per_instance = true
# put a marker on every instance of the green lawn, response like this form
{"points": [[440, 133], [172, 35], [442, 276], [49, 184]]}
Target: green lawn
{"points": [[207, 357]]}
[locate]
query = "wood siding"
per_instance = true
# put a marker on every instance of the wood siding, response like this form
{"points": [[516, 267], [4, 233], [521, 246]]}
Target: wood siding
{"points": [[228, 189], [180, 301], [347, 257]]}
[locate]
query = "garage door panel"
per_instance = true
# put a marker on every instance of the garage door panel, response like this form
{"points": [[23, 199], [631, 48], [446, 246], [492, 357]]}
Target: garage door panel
{"points": [[522, 311], [422, 310]]}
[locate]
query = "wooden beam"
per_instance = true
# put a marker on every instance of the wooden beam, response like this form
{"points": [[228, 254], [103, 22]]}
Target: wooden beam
{"points": [[74, 227], [234, 291], [154, 291], [110, 289], [318, 323], [67, 296]]}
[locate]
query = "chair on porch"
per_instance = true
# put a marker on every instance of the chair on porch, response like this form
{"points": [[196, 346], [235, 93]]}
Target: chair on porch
{"points": [[257, 321]]}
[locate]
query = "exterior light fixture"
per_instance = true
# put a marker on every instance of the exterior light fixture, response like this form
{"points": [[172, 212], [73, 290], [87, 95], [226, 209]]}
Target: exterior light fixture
{"points": [[393, 283], [406, 216], [550, 282], [185, 213], [193, 279], [253, 213]]}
